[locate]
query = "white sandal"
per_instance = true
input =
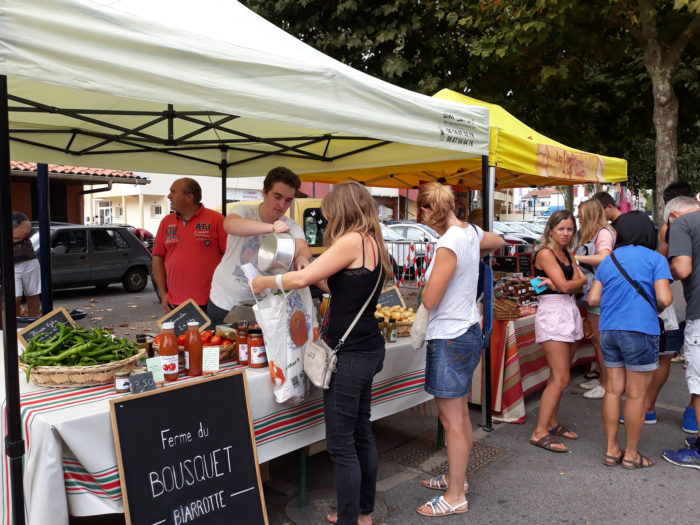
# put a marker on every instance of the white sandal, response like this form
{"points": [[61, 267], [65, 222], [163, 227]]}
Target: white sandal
{"points": [[440, 507], [439, 482]]}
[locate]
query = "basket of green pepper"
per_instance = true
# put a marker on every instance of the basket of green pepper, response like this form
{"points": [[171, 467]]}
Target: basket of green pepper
{"points": [[77, 356]]}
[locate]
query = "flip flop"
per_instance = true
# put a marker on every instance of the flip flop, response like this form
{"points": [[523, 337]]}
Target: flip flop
{"points": [[547, 442], [641, 462], [612, 461], [561, 431], [593, 374], [439, 507], [439, 482]]}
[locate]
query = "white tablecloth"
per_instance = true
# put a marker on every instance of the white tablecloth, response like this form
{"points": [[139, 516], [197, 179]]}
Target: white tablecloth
{"points": [[70, 465]]}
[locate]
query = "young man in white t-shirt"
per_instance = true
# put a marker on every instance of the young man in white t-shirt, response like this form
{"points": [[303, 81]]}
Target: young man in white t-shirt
{"points": [[247, 225]]}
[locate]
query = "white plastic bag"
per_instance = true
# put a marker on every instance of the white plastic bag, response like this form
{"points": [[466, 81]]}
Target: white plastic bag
{"points": [[420, 327], [669, 317], [286, 322]]}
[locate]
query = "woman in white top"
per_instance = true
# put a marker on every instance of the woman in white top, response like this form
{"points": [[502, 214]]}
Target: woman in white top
{"points": [[454, 339]]}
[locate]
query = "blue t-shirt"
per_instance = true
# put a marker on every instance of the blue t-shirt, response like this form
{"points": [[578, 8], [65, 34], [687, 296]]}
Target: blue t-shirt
{"points": [[621, 307]]}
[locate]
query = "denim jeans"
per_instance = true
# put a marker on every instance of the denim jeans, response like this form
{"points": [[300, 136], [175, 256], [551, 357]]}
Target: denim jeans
{"points": [[349, 434]]}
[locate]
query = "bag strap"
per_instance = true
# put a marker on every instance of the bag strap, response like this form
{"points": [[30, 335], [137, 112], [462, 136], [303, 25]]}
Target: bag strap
{"points": [[359, 314], [633, 283]]}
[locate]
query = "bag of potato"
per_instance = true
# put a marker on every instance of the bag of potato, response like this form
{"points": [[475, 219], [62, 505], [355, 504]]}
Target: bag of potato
{"points": [[286, 322]]}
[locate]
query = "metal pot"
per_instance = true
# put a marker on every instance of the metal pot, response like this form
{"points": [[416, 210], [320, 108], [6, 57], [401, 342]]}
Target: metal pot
{"points": [[276, 253]]}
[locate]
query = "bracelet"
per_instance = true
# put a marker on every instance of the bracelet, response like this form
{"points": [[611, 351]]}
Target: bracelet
{"points": [[278, 281]]}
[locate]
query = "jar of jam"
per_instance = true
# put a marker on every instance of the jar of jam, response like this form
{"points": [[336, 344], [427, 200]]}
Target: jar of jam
{"points": [[121, 381], [256, 347], [392, 331], [242, 346]]}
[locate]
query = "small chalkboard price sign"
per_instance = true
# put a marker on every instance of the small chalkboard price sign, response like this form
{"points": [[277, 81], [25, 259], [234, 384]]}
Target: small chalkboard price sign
{"points": [[391, 297], [187, 311], [142, 382], [187, 454], [525, 264], [507, 264], [46, 325]]}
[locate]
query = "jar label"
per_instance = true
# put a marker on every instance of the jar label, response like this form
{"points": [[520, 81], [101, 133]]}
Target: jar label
{"points": [[243, 352], [170, 364], [121, 384], [394, 335], [257, 355]]}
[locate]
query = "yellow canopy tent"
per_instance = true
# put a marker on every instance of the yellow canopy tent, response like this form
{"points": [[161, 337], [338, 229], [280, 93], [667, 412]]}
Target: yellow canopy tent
{"points": [[519, 155]]}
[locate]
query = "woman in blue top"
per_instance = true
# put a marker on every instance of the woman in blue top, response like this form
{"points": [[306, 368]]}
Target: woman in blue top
{"points": [[629, 330]]}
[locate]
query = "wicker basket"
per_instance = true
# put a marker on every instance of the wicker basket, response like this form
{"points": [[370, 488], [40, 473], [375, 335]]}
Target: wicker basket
{"points": [[403, 328], [505, 310], [70, 376]]}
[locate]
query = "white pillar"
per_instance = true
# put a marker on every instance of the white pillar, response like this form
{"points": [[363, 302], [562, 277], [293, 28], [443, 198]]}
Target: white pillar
{"points": [[141, 223]]}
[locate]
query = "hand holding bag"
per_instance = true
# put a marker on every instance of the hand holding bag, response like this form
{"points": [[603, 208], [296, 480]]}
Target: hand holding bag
{"points": [[320, 359]]}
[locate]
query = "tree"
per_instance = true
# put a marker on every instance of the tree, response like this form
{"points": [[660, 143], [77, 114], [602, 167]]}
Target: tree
{"points": [[603, 75]]}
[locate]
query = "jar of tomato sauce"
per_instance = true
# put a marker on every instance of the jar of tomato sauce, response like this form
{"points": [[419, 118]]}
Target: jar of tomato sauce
{"points": [[193, 350], [256, 347], [242, 346], [169, 352]]}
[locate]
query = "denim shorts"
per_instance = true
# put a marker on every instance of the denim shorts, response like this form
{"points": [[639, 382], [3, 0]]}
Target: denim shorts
{"points": [[636, 351], [450, 363]]}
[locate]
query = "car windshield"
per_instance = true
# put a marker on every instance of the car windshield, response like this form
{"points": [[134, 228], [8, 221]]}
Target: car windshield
{"points": [[506, 228], [429, 230], [390, 235], [536, 228]]}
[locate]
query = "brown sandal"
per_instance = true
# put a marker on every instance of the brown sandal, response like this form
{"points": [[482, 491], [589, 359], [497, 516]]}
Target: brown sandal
{"points": [[548, 442], [612, 461], [641, 462], [561, 431]]}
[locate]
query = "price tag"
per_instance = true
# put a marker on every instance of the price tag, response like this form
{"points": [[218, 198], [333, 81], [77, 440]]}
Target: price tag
{"points": [[210, 359], [155, 366], [142, 382]]}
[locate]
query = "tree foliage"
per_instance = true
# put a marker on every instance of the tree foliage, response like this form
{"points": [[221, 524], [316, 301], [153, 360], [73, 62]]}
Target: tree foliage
{"points": [[575, 71]]}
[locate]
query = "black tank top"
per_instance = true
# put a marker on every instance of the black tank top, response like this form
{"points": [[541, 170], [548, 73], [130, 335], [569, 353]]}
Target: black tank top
{"points": [[350, 288], [568, 270]]}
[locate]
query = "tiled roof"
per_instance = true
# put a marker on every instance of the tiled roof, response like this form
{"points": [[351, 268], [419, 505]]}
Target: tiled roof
{"points": [[74, 170]]}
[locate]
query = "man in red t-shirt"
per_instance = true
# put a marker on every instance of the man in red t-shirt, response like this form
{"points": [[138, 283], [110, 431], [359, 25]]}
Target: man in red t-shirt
{"points": [[188, 247]]}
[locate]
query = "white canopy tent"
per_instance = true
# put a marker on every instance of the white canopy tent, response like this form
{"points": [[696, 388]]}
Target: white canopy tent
{"points": [[203, 87]]}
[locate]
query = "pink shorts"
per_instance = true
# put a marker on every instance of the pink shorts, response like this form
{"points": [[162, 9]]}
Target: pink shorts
{"points": [[558, 319]]}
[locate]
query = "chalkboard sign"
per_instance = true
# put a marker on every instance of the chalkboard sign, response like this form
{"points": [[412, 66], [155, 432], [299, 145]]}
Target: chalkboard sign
{"points": [[187, 311], [505, 264], [391, 297], [142, 382], [525, 264], [45, 325], [187, 454]]}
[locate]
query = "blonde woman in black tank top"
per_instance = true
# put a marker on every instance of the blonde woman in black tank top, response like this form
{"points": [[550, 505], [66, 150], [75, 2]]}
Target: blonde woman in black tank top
{"points": [[354, 257]]}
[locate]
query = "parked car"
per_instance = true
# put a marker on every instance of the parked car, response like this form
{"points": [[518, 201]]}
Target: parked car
{"points": [[400, 252], [96, 256], [527, 228], [515, 233], [413, 231]]}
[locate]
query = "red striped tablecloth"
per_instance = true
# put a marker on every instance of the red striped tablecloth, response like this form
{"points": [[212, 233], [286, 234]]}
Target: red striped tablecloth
{"points": [[70, 465]]}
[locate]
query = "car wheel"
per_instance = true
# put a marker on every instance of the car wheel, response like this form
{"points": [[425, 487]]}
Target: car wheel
{"points": [[135, 280]]}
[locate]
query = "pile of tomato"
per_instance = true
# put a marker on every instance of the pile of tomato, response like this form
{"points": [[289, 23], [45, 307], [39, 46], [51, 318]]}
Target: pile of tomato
{"points": [[209, 338]]}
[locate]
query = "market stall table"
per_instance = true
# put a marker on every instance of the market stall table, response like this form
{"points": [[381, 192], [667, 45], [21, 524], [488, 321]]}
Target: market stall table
{"points": [[518, 368], [70, 466]]}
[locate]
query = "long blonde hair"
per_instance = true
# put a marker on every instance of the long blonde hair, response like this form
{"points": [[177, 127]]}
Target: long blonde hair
{"points": [[554, 219], [439, 199], [349, 207], [592, 218]]}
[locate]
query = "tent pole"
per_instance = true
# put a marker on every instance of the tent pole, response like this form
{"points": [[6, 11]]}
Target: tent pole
{"points": [[42, 195], [224, 168], [488, 183], [14, 444]]}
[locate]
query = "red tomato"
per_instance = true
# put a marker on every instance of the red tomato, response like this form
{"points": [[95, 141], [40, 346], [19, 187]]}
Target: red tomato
{"points": [[226, 342], [215, 340], [206, 335], [158, 339], [181, 339]]}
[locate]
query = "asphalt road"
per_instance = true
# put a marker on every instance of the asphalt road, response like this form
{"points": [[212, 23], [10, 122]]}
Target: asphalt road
{"points": [[124, 313]]}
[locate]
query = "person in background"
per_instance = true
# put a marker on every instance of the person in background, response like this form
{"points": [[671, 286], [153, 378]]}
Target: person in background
{"points": [[355, 259], [454, 338], [684, 254], [612, 212], [673, 338], [629, 331], [188, 246], [246, 227], [595, 230], [558, 323], [27, 269]]}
